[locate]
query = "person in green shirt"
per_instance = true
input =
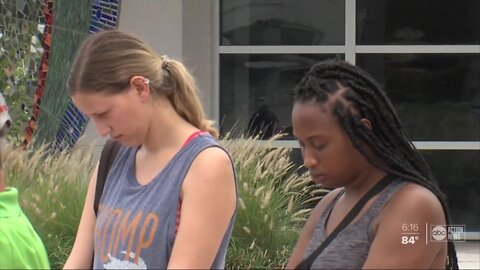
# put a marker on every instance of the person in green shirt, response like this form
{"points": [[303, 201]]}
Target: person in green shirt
{"points": [[20, 245]]}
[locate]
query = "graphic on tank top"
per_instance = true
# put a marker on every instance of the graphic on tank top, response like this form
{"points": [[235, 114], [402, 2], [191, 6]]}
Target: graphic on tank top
{"points": [[124, 227]]}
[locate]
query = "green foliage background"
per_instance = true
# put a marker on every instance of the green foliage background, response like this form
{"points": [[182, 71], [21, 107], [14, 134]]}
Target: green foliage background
{"points": [[272, 208]]}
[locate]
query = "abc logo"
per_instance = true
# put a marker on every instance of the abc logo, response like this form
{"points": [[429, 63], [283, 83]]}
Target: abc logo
{"points": [[439, 233]]}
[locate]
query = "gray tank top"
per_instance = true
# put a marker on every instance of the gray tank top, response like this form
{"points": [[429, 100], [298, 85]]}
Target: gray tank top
{"points": [[136, 225], [349, 249]]}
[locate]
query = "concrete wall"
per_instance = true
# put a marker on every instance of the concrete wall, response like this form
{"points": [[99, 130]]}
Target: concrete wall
{"points": [[198, 47], [158, 22], [182, 29]]}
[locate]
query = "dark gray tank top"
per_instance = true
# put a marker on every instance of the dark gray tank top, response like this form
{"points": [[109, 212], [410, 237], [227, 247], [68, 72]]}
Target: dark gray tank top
{"points": [[349, 249], [136, 225]]}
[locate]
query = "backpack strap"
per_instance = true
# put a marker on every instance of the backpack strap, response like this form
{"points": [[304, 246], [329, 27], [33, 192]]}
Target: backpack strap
{"points": [[381, 185], [109, 152]]}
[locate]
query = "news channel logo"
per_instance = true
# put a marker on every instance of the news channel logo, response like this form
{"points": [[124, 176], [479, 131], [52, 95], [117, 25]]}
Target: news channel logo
{"points": [[443, 233]]}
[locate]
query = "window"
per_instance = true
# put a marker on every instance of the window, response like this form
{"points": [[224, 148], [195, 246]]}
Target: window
{"points": [[257, 96], [425, 52], [266, 46], [436, 95], [419, 22], [282, 22]]}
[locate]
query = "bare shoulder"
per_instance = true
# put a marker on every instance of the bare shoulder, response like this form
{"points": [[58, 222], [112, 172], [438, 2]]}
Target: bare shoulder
{"points": [[415, 198], [404, 231], [413, 203], [417, 191], [212, 158], [212, 168]]}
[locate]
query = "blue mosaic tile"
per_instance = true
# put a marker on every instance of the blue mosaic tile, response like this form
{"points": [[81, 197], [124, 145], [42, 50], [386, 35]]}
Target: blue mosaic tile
{"points": [[94, 29], [98, 13], [71, 128], [108, 17]]}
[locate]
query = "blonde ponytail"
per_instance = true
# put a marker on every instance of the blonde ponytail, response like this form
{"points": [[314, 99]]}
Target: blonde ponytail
{"points": [[184, 96]]}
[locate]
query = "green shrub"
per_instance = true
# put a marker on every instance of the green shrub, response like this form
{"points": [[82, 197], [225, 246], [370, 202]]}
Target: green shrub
{"points": [[274, 200], [273, 206]]}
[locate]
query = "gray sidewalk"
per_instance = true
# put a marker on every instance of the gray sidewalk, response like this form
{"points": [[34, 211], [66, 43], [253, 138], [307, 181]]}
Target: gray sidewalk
{"points": [[468, 254]]}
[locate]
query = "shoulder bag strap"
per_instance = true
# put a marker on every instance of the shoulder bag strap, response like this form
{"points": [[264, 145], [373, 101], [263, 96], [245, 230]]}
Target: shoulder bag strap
{"points": [[109, 152], [382, 184]]}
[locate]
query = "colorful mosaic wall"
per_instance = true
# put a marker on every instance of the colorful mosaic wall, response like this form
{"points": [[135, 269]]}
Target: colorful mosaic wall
{"points": [[42, 70], [104, 16], [38, 36], [23, 46]]}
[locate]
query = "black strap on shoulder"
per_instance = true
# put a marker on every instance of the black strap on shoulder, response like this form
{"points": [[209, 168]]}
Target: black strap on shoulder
{"points": [[109, 152], [382, 184]]}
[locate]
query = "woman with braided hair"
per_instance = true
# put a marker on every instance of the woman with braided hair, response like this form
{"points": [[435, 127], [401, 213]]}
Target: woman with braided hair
{"points": [[384, 197]]}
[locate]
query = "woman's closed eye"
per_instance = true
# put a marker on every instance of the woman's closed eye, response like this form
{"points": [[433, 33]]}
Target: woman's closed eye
{"points": [[318, 145], [102, 115], [313, 144]]}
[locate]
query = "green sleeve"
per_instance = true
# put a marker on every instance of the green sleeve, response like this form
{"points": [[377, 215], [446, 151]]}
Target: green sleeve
{"points": [[20, 245]]}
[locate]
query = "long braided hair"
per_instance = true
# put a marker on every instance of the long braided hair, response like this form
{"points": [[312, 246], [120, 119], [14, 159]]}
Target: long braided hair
{"points": [[362, 97]]}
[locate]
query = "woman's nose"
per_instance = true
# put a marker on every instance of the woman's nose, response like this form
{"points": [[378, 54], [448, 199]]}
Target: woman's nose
{"points": [[309, 159], [102, 128]]}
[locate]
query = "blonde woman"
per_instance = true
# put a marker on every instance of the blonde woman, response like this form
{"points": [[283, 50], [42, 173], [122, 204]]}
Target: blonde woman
{"points": [[170, 196]]}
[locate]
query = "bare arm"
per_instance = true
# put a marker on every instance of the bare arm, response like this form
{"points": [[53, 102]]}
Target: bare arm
{"points": [[81, 255], [208, 204], [411, 206], [307, 232]]}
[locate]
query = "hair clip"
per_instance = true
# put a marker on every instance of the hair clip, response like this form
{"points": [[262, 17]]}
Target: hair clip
{"points": [[165, 59]]}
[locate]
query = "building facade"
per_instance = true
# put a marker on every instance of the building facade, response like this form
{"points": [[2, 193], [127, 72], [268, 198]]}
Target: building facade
{"points": [[248, 54]]}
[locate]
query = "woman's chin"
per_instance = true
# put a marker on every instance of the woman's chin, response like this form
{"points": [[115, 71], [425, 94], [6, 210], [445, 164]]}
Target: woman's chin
{"points": [[324, 182]]}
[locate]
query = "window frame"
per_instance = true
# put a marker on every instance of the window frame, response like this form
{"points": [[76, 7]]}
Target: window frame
{"points": [[350, 50]]}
